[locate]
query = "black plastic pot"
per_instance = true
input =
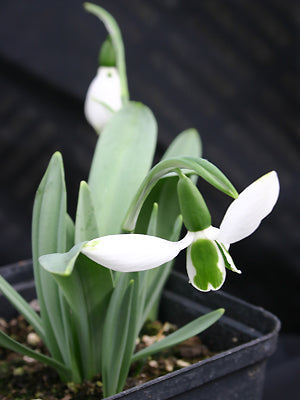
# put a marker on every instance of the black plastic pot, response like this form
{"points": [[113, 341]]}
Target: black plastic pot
{"points": [[245, 338]]}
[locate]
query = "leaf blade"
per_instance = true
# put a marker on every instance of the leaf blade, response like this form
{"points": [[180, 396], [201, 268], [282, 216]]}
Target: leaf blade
{"points": [[86, 227], [115, 336], [17, 347], [22, 307], [193, 328], [123, 156], [49, 236], [187, 143]]}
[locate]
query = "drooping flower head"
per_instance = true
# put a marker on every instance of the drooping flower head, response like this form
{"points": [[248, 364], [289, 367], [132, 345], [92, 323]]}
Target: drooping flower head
{"points": [[207, 246], [103, 97]]}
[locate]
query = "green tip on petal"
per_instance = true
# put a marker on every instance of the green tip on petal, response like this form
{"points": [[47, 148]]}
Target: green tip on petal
{"points": [[107, 57], [245, 214]]}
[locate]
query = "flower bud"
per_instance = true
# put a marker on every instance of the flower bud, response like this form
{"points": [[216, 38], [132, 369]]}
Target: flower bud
{"points": [[103, 97], [195, 214]]}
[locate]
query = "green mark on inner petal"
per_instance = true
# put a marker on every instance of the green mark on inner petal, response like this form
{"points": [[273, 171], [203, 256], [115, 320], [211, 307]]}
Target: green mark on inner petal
{"points": [[205, 257], [92, 244]]}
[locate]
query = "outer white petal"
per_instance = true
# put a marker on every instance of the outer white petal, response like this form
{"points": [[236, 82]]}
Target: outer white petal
{"points": [[105, 88], [246, 212], [133, 252]]}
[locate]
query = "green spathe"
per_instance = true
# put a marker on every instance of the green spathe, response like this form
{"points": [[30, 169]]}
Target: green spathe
{"points": [[117, 41], [107, 57], [195, 214]]}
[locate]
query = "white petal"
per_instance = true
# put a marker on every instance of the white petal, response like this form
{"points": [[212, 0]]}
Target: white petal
{"points": [[133, 252], [246, 212], [105, 88]]}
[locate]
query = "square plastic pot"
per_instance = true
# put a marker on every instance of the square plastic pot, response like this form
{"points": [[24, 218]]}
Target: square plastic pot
{"points": [[245, 337]]}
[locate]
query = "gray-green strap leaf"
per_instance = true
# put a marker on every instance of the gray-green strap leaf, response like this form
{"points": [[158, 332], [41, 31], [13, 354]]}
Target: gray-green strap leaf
{"points": [[193, 328], [61, 263], [22, 306], [70, 232], [122, 159], [86, 227], [187, 143], [13, 345], [157, 277], [115, 335], [87, 287], [49, 236]]}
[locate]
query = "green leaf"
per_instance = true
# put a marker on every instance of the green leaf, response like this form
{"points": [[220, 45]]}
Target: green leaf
{"points": [[117, 41], [157, 277], [86, 223], [49, 236], [23, 307], [61, 263], [152, 225], [193, 328], [117, 342], [52, 231], [122, 159], [13, 345], [145, 276], [87, 287], [70, 232], [88, 290], [187, 143], [199, 166]]}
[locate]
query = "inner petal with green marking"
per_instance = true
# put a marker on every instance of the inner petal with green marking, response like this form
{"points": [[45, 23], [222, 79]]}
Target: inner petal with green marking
{"points": [[205, 265]]}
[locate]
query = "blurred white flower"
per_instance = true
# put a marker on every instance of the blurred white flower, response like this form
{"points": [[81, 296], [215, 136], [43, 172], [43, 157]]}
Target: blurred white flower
{"points": [[103, 97]]}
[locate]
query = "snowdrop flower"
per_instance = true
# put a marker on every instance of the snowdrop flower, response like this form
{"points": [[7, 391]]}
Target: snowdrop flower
{"points": [[103, 97], [133, 252], [207, 249]]}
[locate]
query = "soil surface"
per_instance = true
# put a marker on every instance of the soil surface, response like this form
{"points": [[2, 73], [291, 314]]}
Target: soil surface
{"points": [[24, 378]]}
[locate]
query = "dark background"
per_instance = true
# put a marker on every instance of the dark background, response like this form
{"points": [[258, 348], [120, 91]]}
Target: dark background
{"points": [[228, 68]]}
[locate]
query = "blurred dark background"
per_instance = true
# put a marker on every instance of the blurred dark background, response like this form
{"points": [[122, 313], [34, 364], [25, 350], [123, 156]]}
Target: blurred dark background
{"points": [[228, 68]]}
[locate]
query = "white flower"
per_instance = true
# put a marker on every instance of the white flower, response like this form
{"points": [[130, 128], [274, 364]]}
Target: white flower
{"points": [[103, 97], [207, 250]]}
